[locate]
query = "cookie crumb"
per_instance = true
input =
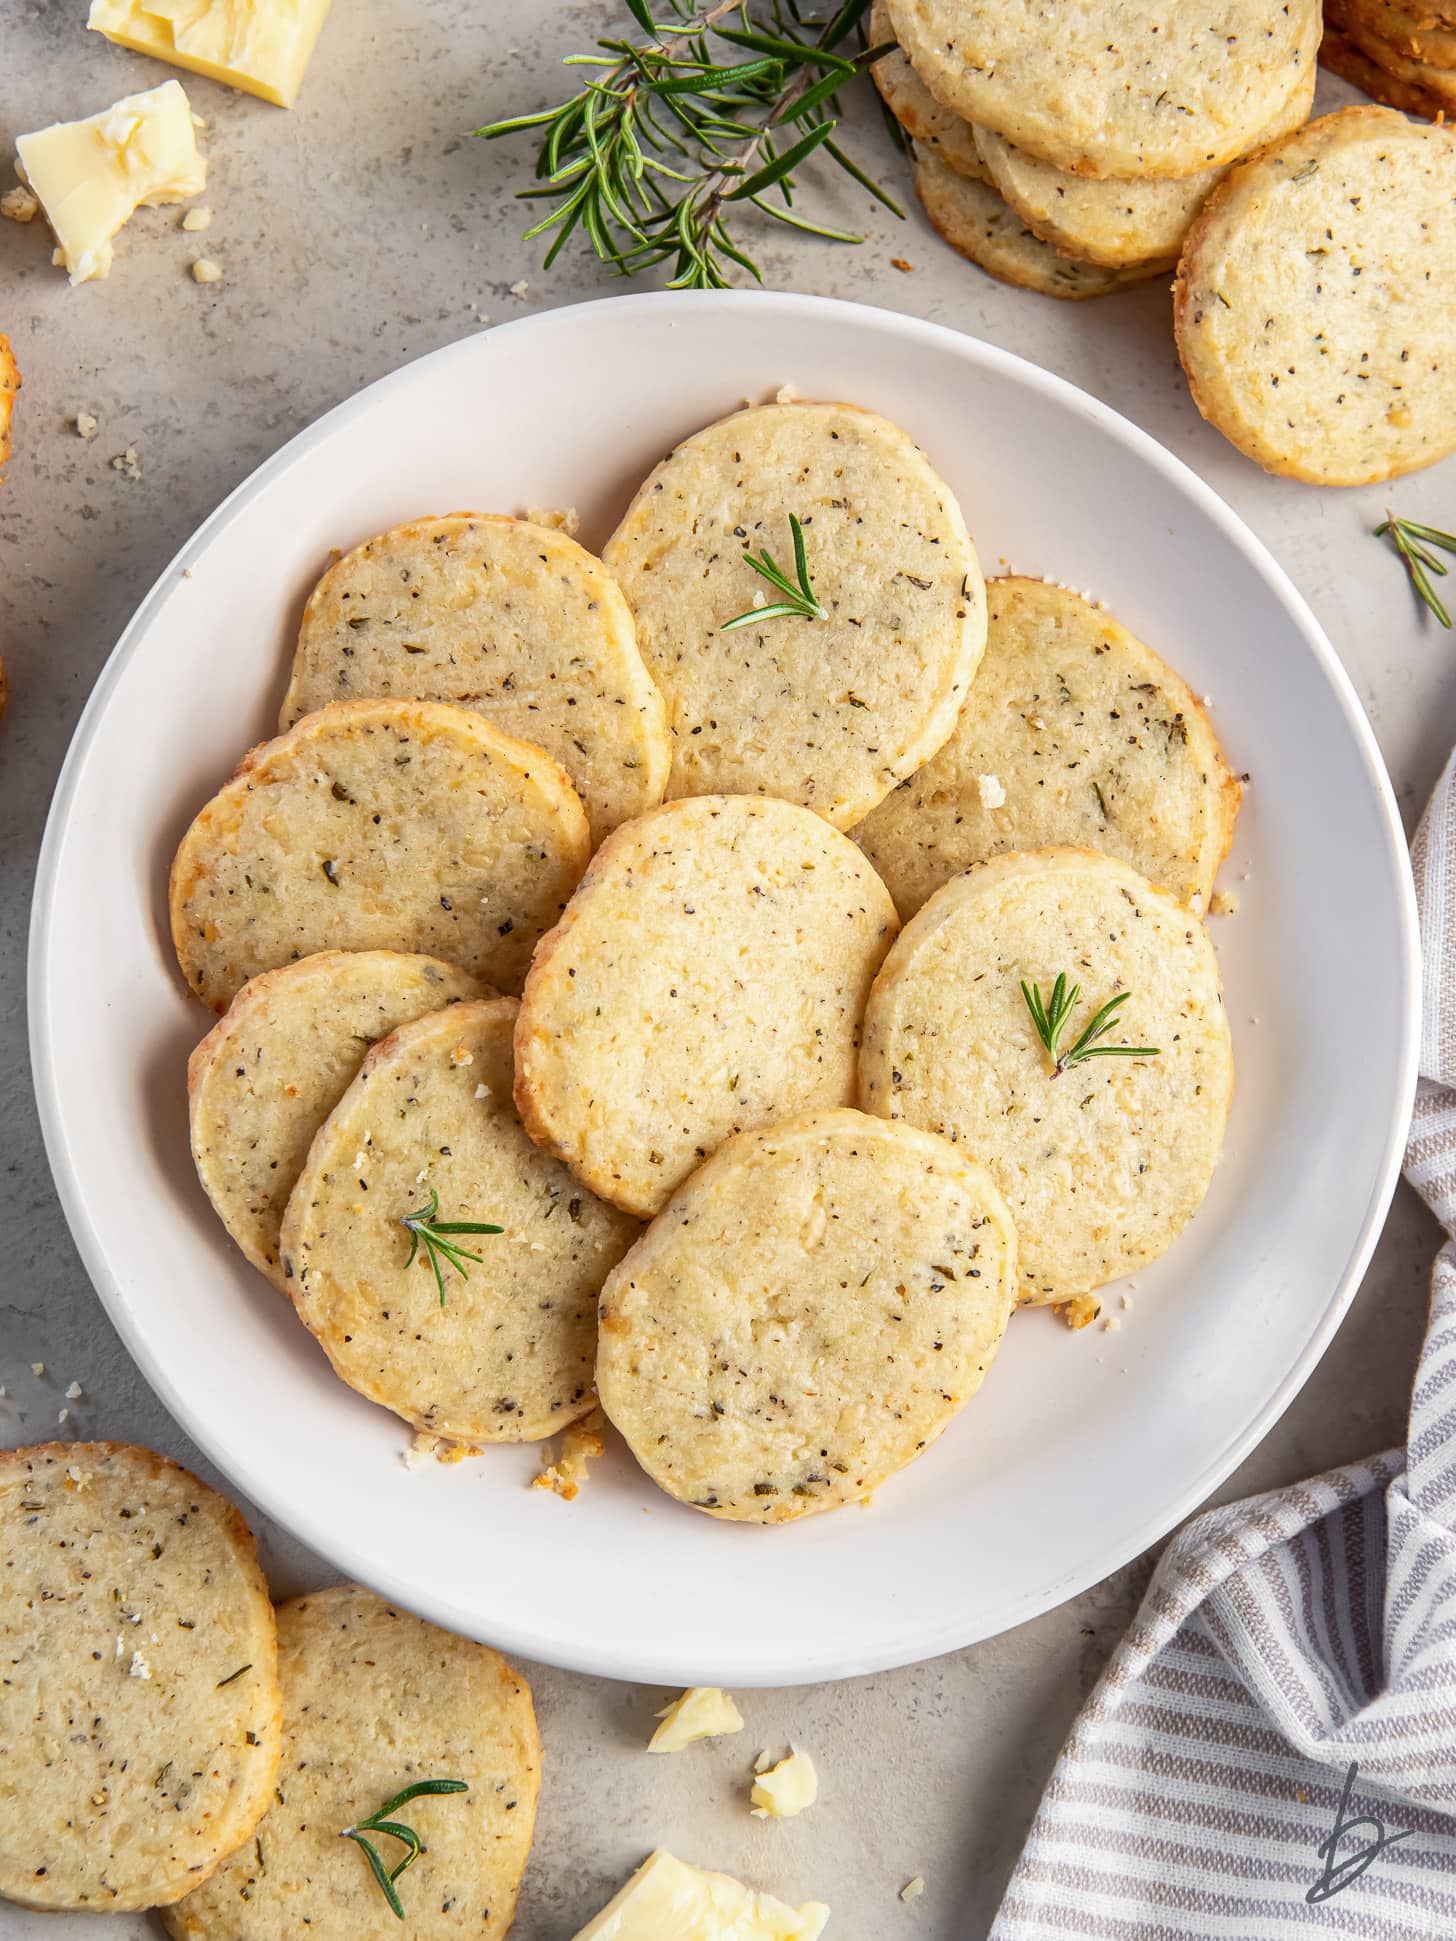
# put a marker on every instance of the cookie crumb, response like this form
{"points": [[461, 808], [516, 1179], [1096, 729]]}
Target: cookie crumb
{"points": [[899, 263], [1223, 904], [37, 1368], [86, 425], [204, 270], [195, 219], [73, 1393], [521, 289], [913, 1889], [581, 1444], [128, 463], [19, 205]]}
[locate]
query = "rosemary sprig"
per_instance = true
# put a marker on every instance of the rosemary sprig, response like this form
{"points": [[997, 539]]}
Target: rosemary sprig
{"points": [[1413, 542], [798, 599], [664, 136], [380, 1822], [423, 1225], [1049, 1019]]}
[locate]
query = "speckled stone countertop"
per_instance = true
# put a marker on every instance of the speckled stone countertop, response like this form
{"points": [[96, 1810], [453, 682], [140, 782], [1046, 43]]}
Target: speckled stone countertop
{"points": [[361, 230]]}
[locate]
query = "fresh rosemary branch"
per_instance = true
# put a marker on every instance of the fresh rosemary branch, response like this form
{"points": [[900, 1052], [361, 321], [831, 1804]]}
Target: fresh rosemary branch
{"points": [[1049, 1019], [380, 1822], [649, 156], [1413, 542], [423, 1225], [798, 599]]}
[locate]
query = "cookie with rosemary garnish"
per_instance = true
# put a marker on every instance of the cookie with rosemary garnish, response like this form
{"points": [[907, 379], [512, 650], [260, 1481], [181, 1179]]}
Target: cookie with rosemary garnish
{"points": [[269, 1073], [1075, 733], [1150, 87], [406, 1795], [807, 1313], [709, 975], [1312, 305], [377, 825], [981, 225], [1061, 1019], [448, 1266], [511, 619], [809, 602], [916, 109], [1118, 220], [139, 1710]]}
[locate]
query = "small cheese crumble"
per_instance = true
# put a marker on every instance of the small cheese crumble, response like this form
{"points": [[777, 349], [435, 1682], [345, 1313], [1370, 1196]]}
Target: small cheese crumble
{"points": [[787, 394], [521, 289], [86, 425], [138, 1668], [462, 1055], [785, 1789], [992, 793], [913, 1889], [37, 1368], [1080, 1312], [4, 1391], [581, 1444], [63, 1418], [74, 1392], [196, 219], [703, 1712], [482, 1091], [19, 205], [667, 1900], [128, 463], [427, 1448], [204, 270], [764, 1760], [557, 518]]}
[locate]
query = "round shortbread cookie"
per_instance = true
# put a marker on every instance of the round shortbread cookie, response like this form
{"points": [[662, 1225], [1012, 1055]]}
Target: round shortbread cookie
{"points": [[1119, 220], [269, 1073], [377, 825], [806, 1315], [1401, 65], [1420, 32], [977, 223], [139, 1709], [513, 620], [834, 712], [1341, 56], [916, 108], [1143, 87], [508, 1355], [1312, 302], [375, 1700], [709, 975], [1105, 1162], [1075, 733]]}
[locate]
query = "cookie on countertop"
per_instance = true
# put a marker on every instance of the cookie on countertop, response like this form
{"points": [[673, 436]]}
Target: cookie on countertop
{"points": [[1434, 79], [1075, 734], [980, 225], [505, 1354], [375, 825], [375, 1700], [1312, 303], [916, 109], [139, 1710], [1341, 56], [709, 975], [806, 1315], [511, 619], [829, 712], [1152, 87], [272, 1069], [1423, 32], [1105, 1162]]}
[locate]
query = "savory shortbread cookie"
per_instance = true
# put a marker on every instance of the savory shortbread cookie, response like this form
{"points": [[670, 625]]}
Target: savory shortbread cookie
{"points": [[374, 1701], [139, 1707], [1341, 56], [1103, 1162], [504, 1352], [806, 1314], [1312, 304], [1434, 78], [975, 220], [1119, 220], [709, 975], [9, 386], [511, 619], [830, 712], [1151, 87], [916, 108], [1424, 33], [1075, 733], [376, 825], [269, 1073]]}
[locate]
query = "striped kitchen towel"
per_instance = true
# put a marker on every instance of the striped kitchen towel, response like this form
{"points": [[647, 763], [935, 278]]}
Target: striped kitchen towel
{"points": [[1271, 1751]]}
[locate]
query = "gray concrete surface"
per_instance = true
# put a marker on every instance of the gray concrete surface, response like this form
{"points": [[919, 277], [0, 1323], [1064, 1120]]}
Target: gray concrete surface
{"points": [[363, 229]]}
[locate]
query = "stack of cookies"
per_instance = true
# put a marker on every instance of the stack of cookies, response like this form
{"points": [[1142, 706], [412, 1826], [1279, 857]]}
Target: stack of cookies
{"points": [[1401, 52], [1067, 153]]}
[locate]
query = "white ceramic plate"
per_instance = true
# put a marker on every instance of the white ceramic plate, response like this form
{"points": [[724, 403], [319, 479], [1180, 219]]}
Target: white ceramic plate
{"points": [[1080, 1449]]}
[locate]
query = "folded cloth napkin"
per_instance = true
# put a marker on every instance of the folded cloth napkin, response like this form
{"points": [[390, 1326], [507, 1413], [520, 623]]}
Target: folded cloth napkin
{"points": [[1271, 1751]]}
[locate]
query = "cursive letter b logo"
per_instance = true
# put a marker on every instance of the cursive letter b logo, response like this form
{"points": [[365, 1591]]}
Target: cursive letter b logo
{"points": [[1338, 1874]]}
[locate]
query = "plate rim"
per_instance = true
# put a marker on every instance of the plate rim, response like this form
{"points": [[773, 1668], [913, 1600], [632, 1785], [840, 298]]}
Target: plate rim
{"points": [[952, 1634]]}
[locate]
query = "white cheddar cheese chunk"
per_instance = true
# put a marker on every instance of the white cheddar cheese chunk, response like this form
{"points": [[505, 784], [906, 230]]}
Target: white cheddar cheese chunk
{"points": [[703, 1712], [89, 176], [261, 46], [786, 1789], [667, 1900]]}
